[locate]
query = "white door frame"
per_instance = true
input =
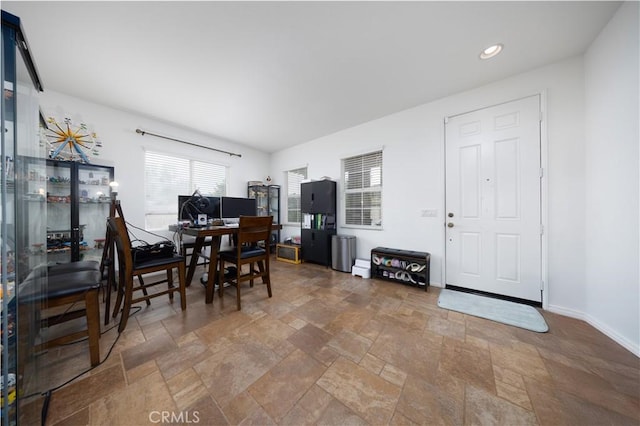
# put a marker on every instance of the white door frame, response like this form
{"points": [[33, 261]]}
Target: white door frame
{"points": [[544, 211]]}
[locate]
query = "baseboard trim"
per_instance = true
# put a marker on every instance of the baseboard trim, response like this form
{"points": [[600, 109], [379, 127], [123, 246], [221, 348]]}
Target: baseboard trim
{"points": [[632, 347]]}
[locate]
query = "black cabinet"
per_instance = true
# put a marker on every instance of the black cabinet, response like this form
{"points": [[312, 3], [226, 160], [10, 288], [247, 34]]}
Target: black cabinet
{"points": [[316, 246], [318, 197], [318, 206]]}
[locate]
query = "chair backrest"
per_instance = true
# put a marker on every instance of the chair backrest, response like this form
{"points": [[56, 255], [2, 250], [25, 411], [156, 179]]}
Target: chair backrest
{"points": [[254, 229], [118, 229]]}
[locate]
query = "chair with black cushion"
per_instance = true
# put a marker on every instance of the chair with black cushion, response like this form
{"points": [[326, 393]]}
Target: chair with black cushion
{"points": [[251, 249], [128, 269], [38, 296], [63, 268]]}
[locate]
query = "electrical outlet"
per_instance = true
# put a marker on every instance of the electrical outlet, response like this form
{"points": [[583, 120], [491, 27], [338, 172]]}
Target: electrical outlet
{"points": [[429, 213]]}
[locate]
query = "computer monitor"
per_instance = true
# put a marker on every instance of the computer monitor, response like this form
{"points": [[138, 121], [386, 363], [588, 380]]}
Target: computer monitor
{"points": [[234, 207], [189, 206]]}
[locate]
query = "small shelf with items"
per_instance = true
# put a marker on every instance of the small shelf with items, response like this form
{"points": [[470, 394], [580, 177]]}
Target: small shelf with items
{"points": [[319, 221], [405, 266]]}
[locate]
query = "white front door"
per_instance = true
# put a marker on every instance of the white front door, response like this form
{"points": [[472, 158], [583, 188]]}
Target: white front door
{"points": [[493, 218]]}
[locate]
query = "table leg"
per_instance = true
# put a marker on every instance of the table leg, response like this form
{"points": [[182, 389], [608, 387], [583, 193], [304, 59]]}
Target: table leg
{"points": [[193, 264], [213, 267]]}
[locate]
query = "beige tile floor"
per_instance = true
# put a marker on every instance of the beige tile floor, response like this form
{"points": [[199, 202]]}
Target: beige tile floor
{"points": [[332, 349]]}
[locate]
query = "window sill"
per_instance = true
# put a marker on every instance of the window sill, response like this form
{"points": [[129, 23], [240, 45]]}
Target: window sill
{"points": [[366, 228]]}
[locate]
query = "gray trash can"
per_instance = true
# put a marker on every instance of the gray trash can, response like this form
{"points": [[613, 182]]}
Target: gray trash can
{"points": [[343, 252]]}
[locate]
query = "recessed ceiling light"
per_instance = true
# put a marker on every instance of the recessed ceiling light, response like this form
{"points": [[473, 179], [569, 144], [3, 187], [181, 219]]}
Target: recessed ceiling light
{"points": [[491, 51]]}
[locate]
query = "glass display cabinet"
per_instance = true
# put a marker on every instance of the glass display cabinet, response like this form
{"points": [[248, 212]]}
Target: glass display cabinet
{"points": [[22, 214], [267, 204], [78, 199]]}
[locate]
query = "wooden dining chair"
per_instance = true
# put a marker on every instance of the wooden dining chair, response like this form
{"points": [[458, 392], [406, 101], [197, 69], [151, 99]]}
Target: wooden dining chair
{"points": [[128, 269], [252, 248], [75, 291]]}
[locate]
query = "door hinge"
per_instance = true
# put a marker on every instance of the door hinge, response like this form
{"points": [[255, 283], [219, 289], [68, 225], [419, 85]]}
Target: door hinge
{"points": [[541, 172]]}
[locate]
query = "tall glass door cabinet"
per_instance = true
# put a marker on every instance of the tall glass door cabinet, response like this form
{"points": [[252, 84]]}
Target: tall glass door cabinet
{"points": [[78, 199], [22, 224], [267, 204]]}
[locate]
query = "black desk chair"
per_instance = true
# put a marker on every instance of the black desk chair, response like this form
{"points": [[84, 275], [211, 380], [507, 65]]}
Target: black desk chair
{"points": [[254, 233]]}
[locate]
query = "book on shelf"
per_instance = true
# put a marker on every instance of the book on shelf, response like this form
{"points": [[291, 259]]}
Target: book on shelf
{"points": [[318, 221]]}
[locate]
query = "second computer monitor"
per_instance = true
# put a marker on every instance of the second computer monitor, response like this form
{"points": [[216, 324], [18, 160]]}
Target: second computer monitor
{"points": [[234, 207]]}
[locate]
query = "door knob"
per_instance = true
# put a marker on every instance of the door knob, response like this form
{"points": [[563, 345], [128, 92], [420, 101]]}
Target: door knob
{"points": [[450, 224]]}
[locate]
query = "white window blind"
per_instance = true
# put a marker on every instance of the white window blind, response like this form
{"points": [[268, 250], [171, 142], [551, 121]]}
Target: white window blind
{"points": [[167, 176], [362, 185], [209, 178], [294, 179]]}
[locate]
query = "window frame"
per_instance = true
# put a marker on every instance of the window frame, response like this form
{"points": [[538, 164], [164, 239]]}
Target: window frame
{"points": [[371, 189], [191, 174], [289, 195]]}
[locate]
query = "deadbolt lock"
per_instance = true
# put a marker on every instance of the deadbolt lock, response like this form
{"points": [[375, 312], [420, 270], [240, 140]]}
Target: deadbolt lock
{"points": [[450, 215], [450, 224]]}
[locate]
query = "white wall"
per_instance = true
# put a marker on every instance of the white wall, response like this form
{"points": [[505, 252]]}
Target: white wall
{"points": [[124, 149], [592, 264], [612, 285], [413, 171]]}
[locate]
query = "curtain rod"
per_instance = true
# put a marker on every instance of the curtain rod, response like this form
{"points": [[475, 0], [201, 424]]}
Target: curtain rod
{"points": [[144, 132]]}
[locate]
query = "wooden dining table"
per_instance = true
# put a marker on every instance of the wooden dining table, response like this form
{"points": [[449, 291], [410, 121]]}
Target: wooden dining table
{"points": [[215, 233]]}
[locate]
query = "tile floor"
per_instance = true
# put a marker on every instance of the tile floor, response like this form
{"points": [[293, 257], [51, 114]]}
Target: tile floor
{"points": [[332, 349]]}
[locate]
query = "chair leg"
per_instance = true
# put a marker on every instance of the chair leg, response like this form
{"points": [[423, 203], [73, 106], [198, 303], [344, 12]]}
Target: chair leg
{"points": [[266, 277], [238, 273], [127, 305], [220, 278], [212, 278], [170, 283], [92, 309], [119, 294], [109, 288], [144, 290], [25, 333], [182, 282]]}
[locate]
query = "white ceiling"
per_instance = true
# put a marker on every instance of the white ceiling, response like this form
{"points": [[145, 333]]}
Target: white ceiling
{"points": [[275, 74]]}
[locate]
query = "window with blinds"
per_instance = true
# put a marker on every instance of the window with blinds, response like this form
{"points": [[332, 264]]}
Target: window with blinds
{"points": [[167, 176], [294, 179], [362, 185]]}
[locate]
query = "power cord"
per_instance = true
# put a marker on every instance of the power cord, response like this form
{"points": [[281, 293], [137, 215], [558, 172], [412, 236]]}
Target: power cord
{"points": [[47, 394], [135, 238]]}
